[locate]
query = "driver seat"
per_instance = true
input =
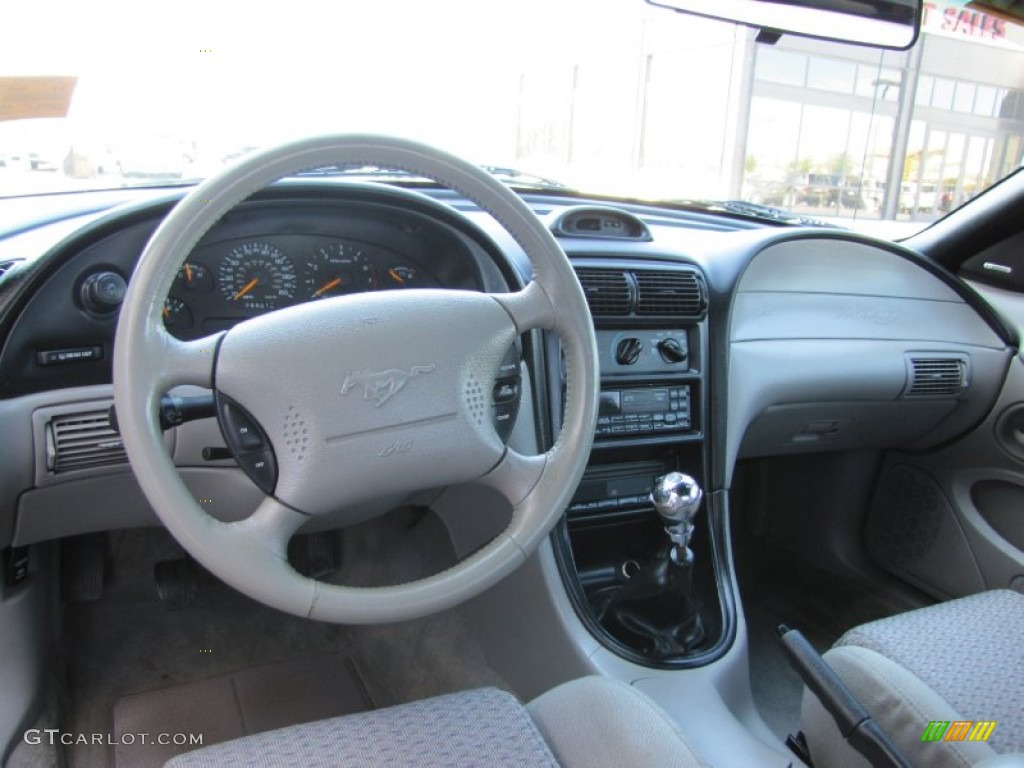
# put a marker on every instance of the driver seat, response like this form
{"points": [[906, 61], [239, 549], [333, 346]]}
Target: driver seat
{"points": [[593, 722]]}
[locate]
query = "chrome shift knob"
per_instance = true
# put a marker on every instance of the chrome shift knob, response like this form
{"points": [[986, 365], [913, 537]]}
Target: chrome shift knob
{"points": [[677, 498]]}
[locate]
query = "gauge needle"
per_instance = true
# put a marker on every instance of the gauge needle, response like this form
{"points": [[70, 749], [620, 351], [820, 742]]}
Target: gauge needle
{"points": [[395, 276], [326, 287], [167, 312], [248, 287], [188, 274]]}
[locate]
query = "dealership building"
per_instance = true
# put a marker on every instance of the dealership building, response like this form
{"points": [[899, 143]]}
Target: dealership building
{"points": [[904, 134]]}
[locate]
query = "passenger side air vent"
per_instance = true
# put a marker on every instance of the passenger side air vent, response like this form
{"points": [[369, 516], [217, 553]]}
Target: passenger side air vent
{"points": [[607, 291], [936, 376], [669, 293], [81, 441]]}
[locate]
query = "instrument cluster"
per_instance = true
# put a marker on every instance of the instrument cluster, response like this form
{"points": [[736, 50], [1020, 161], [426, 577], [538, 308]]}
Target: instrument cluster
{"points": [[224, 283]]}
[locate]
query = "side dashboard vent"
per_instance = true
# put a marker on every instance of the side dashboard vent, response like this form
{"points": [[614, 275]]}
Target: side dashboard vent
{"points": [[936, 376], [82, 441], [607, 291], [675, 293]]}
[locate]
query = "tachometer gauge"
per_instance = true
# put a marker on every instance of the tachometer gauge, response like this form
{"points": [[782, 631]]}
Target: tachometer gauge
{"points": [[194, 277], [257, 275], [176, 313], [337, 269]]}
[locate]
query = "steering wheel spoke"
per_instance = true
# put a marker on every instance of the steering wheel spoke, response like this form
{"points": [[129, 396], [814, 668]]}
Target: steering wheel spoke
{"points": [[271, 525], [515, 475], [188, 362], [529, 308]]}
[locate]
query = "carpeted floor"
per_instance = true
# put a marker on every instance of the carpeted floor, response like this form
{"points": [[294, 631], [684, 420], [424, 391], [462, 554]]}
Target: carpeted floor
{"points": [[127, 643]]}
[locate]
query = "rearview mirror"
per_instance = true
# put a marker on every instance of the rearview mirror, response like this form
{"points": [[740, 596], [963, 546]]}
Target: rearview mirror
{"points": [[876, 23]]}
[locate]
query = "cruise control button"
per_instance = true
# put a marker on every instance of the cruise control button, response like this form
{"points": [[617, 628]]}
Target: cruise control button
{"points": [[244, 435], [506, 390], [260, 468]]}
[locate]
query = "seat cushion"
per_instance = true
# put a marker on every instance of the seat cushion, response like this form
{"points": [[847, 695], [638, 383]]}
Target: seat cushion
{"points": [[472, 728], [957, 661], [970, 651], [595, 722]]}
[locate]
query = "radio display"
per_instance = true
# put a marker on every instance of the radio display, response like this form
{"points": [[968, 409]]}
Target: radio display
{"points": [[644, 400]]}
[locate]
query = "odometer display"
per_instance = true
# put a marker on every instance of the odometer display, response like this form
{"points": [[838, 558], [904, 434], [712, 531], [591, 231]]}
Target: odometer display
{"points": [[257, 275]]}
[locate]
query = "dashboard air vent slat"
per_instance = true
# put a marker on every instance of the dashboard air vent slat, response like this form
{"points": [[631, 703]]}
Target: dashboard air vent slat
{"points": [[607, 291], [675, 293], [7, 264], [937, 376], [83, 440]]}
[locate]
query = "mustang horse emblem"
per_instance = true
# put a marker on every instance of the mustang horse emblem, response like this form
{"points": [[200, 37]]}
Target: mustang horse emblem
{"points": [[381, 386]]}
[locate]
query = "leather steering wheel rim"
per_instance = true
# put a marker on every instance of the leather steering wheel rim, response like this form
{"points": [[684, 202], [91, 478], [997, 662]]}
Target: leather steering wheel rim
{"points": [[473, 329]]}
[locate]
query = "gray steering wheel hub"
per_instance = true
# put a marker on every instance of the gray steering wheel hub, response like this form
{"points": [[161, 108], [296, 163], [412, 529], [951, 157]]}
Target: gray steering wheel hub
{"points": [[357, 397]]}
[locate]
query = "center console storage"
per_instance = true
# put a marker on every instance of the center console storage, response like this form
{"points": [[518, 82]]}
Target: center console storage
{"points": [[640, 594]]}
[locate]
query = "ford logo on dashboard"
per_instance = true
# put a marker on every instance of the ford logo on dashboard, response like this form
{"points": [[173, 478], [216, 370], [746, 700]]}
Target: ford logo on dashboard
{"points": [[381, 386]]}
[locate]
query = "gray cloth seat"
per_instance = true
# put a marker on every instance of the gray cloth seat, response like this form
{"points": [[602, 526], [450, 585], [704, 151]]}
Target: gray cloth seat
{"points": [[592, 722], [958, 661]]}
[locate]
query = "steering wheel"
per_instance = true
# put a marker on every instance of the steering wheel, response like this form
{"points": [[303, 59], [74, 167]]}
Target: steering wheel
{"points": [[359, 396]]}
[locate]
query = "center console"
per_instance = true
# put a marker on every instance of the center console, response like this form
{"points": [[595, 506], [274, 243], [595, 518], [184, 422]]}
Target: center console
{"points": [[626, 584]]}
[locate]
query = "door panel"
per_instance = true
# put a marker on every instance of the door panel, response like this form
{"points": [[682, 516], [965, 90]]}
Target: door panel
{"points": [[951, 522]]}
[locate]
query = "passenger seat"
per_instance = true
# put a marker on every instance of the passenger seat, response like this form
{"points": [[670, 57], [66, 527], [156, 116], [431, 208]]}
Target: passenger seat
{"points": [[960, 663]]}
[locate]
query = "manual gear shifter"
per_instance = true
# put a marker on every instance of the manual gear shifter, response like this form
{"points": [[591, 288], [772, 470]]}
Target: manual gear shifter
{"points": [[677, 497], [657, 604]]}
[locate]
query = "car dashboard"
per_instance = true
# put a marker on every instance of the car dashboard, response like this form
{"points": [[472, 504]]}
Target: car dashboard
{"points": [[718, 338]]}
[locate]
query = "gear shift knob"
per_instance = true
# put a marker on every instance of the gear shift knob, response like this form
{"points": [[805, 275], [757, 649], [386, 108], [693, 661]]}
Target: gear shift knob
{"points": [[677, 498]]}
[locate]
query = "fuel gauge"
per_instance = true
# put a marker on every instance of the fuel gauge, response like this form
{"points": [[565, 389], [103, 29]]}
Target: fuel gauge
{"points": [[402, 276], [176, 313]]}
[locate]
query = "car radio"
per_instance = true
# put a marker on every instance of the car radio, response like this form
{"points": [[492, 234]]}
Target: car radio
{"points": [[644, 410]]}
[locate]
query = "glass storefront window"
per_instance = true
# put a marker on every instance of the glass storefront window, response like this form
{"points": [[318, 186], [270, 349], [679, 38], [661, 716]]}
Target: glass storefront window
{"points": [[783, 67], [942, 93], [963, 99], [831, 75], [985, 102]]}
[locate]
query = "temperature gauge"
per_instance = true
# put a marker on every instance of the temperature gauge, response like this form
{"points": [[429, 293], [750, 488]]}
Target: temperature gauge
{"points": [[194, 277]]}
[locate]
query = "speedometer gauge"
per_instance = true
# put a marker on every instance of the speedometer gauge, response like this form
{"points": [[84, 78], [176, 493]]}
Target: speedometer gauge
{"points": [[257, 275], [337, 269]]}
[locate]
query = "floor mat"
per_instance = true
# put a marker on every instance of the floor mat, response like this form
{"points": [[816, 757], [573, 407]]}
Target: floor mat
{"points": [[234, 705]]}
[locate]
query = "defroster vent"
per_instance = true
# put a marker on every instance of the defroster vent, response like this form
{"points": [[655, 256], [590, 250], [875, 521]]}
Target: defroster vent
{"points": [[936, 376], [607, 291], [81, 441]]}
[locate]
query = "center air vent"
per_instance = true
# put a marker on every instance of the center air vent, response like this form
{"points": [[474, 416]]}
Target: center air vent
{"points": [[669, 293], [81, 441], [644, 294], [607, 291], [936, 376]]}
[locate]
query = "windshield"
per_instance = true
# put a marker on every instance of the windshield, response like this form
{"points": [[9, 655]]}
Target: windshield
{"points": [[618, 97]]}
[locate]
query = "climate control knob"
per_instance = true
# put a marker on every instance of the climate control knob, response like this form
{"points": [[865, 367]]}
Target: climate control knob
{"points": [[627, 351], [672, 351]]}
